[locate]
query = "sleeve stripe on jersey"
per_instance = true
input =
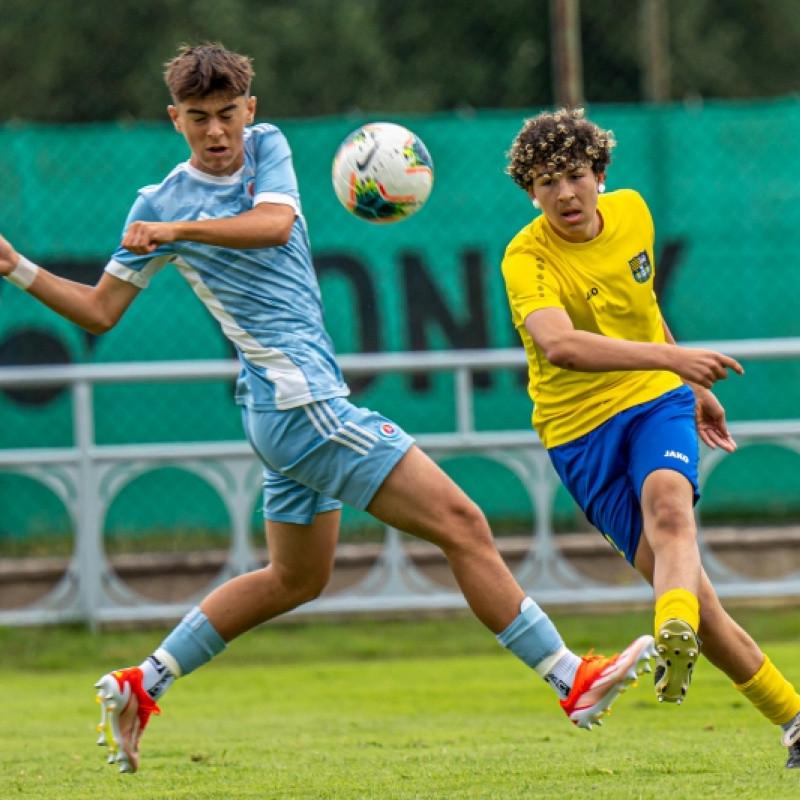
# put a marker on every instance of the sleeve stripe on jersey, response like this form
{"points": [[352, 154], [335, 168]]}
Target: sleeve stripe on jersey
{"points": [[139, 278], [278, 199]]}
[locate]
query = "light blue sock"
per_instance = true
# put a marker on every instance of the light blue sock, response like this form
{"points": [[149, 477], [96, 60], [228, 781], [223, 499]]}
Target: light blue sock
{"points": [[531, 637], [193, 642]]}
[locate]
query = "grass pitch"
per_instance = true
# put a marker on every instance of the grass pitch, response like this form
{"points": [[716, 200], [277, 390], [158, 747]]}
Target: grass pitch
{"points": [[383, 710]]}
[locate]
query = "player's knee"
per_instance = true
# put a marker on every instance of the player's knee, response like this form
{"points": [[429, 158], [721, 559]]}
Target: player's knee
{"points": [[306, 592], [302, 587], [466, 525], [671, 520]]}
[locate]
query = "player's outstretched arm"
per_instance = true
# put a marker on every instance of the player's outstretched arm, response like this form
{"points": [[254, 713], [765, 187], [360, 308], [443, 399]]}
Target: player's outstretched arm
{"points": [[95, 308], [568, 348]]}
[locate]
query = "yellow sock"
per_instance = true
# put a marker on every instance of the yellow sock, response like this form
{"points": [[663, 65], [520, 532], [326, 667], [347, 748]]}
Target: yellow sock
{"points": [[771, 694], [678, 604]]}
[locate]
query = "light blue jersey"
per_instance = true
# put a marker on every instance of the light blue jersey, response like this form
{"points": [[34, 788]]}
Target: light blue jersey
{"points": [[266, 300]]}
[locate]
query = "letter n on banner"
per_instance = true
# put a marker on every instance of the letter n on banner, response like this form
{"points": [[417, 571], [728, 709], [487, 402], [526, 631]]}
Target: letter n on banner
{"points": [[427, 308]]}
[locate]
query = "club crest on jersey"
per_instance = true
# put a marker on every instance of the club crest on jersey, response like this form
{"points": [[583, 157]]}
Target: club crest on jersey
{"points": [[387, 430], [641, 267]]}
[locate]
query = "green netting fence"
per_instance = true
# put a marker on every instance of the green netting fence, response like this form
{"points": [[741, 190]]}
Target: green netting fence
{"points": [[723, 197]]}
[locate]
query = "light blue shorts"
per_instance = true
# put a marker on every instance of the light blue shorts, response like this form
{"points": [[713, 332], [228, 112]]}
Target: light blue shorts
{"points": [[605, 469], [321, 455]]}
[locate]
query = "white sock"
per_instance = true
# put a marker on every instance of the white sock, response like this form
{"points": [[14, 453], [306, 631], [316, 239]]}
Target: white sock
{"points": [[159, 672], [561, 675]]}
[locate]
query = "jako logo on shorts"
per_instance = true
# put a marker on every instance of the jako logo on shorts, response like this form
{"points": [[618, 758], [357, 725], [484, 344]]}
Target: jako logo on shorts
{"points": [[676, 454], [387, 430]]}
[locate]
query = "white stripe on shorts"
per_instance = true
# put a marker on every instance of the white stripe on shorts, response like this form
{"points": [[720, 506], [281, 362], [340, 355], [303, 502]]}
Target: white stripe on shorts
{"points": [[362, 431], [357, 437], [328, 426], [360, 450], [309, 409], [325, 408], [327, 419]]}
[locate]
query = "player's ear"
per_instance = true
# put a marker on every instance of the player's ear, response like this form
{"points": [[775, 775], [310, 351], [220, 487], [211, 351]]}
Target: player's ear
{"points": [[251, 109], [175, 117], [601, 182]]}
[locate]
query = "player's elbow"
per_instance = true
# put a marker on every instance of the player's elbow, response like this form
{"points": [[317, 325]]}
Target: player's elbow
{"points": [[560, 353], [97, 327], [275, 224], [284, 233], [283, 237], [100, 321], [276, 237]]}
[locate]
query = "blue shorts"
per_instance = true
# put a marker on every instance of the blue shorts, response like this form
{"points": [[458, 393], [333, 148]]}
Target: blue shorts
{"points": [[605, 469], [319, 455]]}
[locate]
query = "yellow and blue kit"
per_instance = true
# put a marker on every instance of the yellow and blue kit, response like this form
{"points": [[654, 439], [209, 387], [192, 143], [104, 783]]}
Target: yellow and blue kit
{"points": [[605, 432]]}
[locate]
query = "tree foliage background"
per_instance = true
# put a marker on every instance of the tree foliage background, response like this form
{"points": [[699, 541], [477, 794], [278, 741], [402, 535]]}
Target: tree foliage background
{"points": [[91, 60]]}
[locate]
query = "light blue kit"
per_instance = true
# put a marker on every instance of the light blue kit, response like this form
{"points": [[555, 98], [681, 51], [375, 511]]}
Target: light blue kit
{"points": [[268, 304]]}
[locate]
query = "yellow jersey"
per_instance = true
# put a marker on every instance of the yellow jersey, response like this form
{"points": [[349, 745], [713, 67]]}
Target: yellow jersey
{"points": [[606, 287]]}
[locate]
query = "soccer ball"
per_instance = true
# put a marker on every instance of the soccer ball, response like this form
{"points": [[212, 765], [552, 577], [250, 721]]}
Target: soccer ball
{"points": [[382, 173]]}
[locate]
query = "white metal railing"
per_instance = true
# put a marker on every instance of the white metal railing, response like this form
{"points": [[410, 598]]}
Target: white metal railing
{"points": [[86, 477]]}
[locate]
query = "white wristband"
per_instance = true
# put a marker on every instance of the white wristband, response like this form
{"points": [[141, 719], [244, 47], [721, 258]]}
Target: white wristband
{"points": [[23, 274]]}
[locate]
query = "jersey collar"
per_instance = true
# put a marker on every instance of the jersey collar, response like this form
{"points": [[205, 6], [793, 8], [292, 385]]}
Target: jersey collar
{"points": [[219, 180]]}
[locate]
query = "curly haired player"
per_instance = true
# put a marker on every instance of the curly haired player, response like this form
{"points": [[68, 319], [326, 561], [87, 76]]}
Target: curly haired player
{"points": [[619, 405]]}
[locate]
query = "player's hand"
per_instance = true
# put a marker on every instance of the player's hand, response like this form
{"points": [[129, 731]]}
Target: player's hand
{"points": [[710, 418], [8, 257], [142, 238], [704, 367]]}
